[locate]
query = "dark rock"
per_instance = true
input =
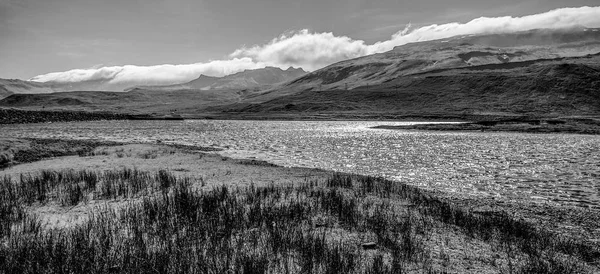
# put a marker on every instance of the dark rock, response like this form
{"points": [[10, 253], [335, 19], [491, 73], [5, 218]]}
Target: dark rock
{"points": [[369, 245]]}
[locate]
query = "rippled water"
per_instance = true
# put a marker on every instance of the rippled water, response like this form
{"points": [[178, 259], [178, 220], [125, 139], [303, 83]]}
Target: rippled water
{"points": [[557, 168]]}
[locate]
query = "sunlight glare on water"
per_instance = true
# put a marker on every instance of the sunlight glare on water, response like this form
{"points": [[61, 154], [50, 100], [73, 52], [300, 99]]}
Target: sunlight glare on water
{"points": [[559, 168]]}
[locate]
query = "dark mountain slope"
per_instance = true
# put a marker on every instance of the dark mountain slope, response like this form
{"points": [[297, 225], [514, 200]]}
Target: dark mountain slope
{"points": [[551, 88], [456, 52]]}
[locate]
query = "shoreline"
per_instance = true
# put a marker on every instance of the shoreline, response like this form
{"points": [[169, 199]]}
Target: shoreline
{"points": [[586, 126], [56, 149], [24, 116], [474, 123]]}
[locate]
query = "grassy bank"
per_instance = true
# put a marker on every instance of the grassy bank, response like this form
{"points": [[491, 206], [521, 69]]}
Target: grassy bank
{"points": [[16, 116], [16, 151], [27, 150], [142, 222]]}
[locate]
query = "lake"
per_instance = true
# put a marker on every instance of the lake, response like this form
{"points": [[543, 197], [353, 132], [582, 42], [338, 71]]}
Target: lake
{"points": [[546, 168]]}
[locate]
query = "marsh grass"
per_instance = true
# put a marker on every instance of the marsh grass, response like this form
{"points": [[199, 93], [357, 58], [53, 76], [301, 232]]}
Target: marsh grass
{"points": [[251, 162], [173, 227], [38, 149], [70, 188]]}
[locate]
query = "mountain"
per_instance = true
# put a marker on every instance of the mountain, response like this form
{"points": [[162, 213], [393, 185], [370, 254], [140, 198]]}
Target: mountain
{"points": [[537, 72], [567, 87], [247, 79], [89, 85], [196, 84], [14, 86], [257, 78], [457, 52], [201, 93]]}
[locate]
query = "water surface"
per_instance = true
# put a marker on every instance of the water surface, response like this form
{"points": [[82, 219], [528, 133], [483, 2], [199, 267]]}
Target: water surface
{"points": [[554, 168]]}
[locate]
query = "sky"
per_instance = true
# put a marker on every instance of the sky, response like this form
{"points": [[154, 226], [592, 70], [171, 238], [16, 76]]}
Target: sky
{"points": [[74, 40]]}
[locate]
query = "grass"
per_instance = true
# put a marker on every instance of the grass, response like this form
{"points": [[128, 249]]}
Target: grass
{"points": [[70, 188], [251, 162], [346, 224], [38, 149], [33, 149], [16, 116]]}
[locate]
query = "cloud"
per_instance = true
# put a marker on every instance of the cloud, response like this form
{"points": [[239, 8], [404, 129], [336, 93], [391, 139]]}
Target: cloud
{"points": [[315, 50], [312, 51], [559, 18], [159, 74], [304, 49]]}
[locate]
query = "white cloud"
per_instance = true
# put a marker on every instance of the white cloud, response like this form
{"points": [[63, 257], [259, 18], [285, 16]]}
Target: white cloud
{"points": [[315, 50], [559, 18], [165, 74], [304, 49], [171, 74]]}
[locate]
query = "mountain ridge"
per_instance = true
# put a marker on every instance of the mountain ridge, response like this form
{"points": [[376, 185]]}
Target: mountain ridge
{"points": [[247, 79], [454, 52], [10, 86]]}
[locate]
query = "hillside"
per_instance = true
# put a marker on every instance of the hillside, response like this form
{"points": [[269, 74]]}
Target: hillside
{"points": [[257, 79], [538, 72], [90, 95], [136, 101], [248, 79], [196, 84], [15, 86], [456, 52], [547, 88]]}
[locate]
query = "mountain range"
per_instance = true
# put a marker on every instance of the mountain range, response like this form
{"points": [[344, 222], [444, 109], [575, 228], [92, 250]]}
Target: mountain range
{"points": [[537, 72], [15, 86], [248, 79], [501, 50]]}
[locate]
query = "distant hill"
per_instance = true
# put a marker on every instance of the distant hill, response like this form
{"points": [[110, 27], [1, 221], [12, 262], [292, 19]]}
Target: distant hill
{"points": [[248, 79], [14, 86], [203, 92], [257, 78], [136, 101]]}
